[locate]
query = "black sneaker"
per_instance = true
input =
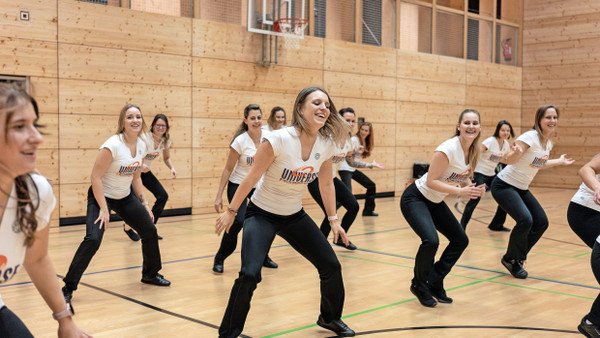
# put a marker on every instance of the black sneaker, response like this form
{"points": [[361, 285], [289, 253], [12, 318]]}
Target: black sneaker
{"points": [[515, 267], [498, 228], [268, 263], [132, 235], [68, 294], [349, 247], [337, 326], [423, 295], [440, 295], [218, 266], [588, 330], [158, 280]]}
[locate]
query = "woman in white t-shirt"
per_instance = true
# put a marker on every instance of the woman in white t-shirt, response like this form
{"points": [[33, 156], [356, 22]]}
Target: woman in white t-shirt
{"points": [[26, 204], [158, 140], [116, 169], [241, 156], [493, 150], [583, 215], [510, 188], [423, 206], [290, 158], [276, 120]]}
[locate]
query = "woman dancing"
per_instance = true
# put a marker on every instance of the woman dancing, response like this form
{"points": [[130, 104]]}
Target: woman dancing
{"points": [[276, 120]]}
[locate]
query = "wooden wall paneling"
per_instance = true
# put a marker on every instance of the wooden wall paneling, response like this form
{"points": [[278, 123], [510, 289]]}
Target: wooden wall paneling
{"points": [[109, 64], [577, 136], [403, 179], [430, 92], [214, 132], [380, 111], [359, 85], [562, 76], [182, 161], [430, 67], [562, 52], [88, 24], [86, 131], [179, 190], [45, 91], [49, 123], [567, 97], [309, 54], [427, 112], [76, 166], [384, 134], [406, 156], [385, 179], [73, 199], [203, 196], [208, 162], [181, 131], [218, 40], [107, 98], [227, 103], [213, 73], [491, 115], [430, 135], [485, 74], [385, 155], [494, 97], [47, 164], [350, 57], [22, 57], [578, 117], [562, 28], [40, 26], [540, 9]]}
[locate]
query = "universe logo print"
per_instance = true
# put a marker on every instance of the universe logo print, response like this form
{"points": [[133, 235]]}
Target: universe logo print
{"points": [[457, 178], [539, 162], [338, 158], [152, 156], [129, 170], [495, 157], [249, 160], [303, 175], [6, 273]]}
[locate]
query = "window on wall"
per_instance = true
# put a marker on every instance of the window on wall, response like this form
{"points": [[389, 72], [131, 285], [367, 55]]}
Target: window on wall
{"points": [[227, 11], [448, 34], [320, 18], [167, 7], [371, 23], [104, 2], [415, 28], [340, 20], [479, 40], [506, 44]]}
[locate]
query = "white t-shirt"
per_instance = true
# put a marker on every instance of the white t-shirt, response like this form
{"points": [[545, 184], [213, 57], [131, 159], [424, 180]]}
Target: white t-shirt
{"points": [[280, 189], [456, 172], [153, 152], [520, 174], [117, 178], [585, 196], [491, 157], [12, 244], [340, 153], [244, 146], [267, 127], [355, 144]]}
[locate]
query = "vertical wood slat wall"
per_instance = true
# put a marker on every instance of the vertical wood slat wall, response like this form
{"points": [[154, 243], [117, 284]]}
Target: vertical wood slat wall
{"points": [[561, 66], [86, 61]]}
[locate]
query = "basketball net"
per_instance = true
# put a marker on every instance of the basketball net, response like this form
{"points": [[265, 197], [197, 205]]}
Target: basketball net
{"points": [[293, 29]]}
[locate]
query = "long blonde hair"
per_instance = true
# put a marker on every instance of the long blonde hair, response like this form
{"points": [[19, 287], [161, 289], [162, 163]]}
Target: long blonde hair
{"points": [[335, 126], [121, 123], [475, 148]]}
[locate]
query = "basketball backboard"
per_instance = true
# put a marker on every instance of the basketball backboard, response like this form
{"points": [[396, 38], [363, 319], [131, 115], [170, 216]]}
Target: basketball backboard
{"points": [[264, 16]]}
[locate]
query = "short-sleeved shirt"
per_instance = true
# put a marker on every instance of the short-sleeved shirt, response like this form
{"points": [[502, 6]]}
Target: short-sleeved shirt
{"points": [[456, 172], [340, 153], [119, 175], [154, 152], [12, 244], [280, 189], [585, 196], [244, 146], [520, 174], [491, 157], [355, 144]]}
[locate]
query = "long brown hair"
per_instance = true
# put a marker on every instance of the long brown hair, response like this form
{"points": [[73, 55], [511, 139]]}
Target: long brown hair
{"points": [[166, 137], [539, 115], [475, 148], [243, 127], [335, 126], [272, 122], [11, 100], [369, 142]]}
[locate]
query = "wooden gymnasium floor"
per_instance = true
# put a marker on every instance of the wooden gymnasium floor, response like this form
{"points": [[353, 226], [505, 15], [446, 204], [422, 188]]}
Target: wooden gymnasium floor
{"points": [[111, 302]]}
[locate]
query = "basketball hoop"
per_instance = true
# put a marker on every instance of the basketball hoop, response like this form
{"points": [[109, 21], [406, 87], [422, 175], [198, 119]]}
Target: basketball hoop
{"points": [[293, 28]]}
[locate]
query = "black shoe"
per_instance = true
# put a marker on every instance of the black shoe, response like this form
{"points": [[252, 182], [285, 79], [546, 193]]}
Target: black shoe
{"points": [[218, 266], [372, 213], [440, 295], [500, 228], [159, 237], [588, 330], [268, 263], [423, 295], [157, 280], [349, 247], [337, 326], [132, 235], [515, 267], [68, 294]]}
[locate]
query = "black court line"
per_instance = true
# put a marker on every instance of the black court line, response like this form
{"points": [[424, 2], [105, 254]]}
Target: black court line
{"points": [[415, 328], [150, 306]]}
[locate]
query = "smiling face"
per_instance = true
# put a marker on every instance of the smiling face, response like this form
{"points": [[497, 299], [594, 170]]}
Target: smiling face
{"points": [[504, 132], [469, 127], [132, 124], [351, 119], [19, 140], [549, 121], [315, 110], [160, 127], [254, 119], [280, 118], [364, 131]]}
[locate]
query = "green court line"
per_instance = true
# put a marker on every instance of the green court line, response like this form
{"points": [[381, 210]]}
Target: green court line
{"points": [[583, 254]]}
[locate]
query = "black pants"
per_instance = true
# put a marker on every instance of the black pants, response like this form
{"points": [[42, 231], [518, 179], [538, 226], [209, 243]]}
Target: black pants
{"points": [[153, 185], [424, 217], [531, 219], [343, 197], [133, 213], [11, 326], [362, 179], [303, 235], [230, 239], [499, 216], [585, 222]]}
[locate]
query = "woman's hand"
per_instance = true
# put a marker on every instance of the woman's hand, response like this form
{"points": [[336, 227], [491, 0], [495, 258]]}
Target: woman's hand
{"points": [[103, 217], [516, 148], [224, 222], [338, 232], [471, 191], [173, 172], [377, 165], [68, 329], [564, 160], [219, 204]]}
